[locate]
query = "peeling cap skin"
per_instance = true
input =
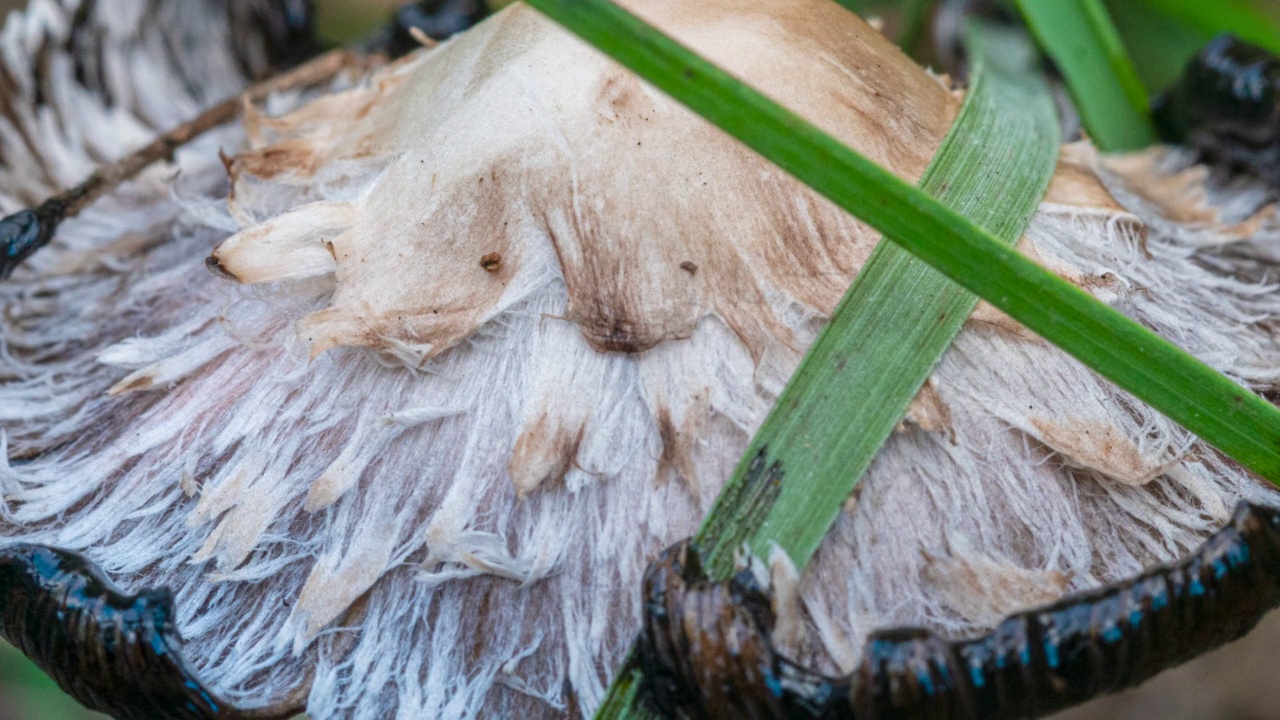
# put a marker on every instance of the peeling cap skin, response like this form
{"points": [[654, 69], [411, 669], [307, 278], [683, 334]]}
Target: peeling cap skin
{"points": [[489, 328], [524, 141]]}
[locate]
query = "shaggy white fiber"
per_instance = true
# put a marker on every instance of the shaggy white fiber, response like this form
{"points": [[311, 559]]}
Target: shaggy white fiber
{"points": [[429, 489]]}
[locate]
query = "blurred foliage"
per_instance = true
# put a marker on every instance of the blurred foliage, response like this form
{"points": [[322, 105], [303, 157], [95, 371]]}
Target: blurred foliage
{"points": [[345, 20], [1160, 45], [1162, 35], [1108, 94], [26, 693]]}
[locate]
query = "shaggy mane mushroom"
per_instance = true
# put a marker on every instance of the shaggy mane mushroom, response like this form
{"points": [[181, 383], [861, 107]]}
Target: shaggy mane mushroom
{"points": [[490, 327]]}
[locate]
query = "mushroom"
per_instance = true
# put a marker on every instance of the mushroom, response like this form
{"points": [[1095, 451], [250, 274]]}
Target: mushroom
{"points": [[491, 326]]}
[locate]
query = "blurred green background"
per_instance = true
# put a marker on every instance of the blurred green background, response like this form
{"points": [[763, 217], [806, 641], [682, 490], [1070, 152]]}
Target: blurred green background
{"points": [[28, 694], [341, 20]]}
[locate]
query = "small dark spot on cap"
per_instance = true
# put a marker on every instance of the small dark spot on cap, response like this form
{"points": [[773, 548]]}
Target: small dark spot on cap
{"points": [[491, 262], [689, 266]]}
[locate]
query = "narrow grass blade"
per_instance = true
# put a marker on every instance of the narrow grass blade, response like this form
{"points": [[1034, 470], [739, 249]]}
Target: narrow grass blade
{"points": [[887, 334], [1224, 414], [1079, 37], [894, 323]]}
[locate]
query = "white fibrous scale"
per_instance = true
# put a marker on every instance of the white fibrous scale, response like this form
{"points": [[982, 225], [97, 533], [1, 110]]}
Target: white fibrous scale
{"points": [[490, 327]]}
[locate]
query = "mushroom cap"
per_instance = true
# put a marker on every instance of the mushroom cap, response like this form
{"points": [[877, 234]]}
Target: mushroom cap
{"points": [[382, 467]]}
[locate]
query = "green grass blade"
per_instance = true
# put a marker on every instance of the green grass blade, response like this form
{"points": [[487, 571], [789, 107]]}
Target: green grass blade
{"points": [[1231, 418], [1079, 37], [1224, 414], [1255, 22], [893, 324], [885, 337]]}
